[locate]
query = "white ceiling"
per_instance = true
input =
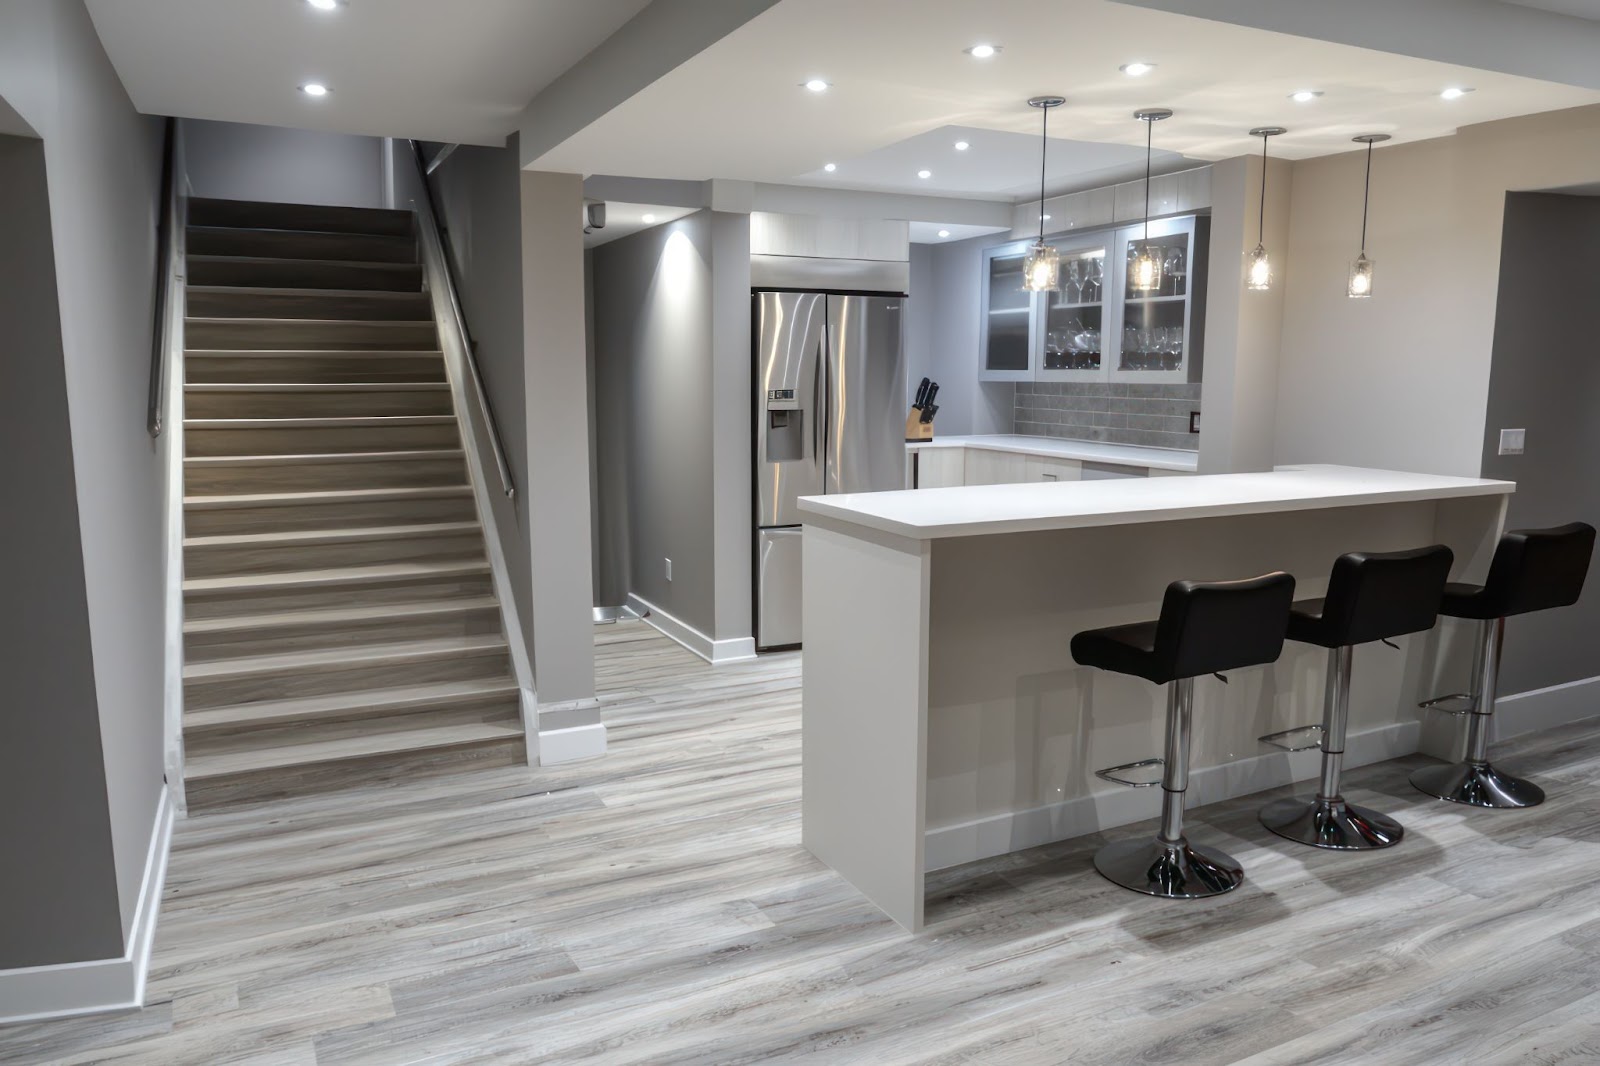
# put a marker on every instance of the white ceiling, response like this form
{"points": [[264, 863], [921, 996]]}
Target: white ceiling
{"points": [[900, 81], [929, 232], [1583, 9], [457, 71], [624, 219]]}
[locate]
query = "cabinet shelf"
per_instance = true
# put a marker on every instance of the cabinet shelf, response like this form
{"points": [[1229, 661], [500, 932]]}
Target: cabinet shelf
{"points": [[1074, 307], [1009, 310], [1155, 299]]}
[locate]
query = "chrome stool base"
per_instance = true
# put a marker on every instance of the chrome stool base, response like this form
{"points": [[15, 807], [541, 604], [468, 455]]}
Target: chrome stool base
{"points": [[1173, 871], [1477, 785], [1331, 824]]}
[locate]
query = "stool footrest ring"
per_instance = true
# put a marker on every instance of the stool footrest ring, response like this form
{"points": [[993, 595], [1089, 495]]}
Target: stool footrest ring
{"points": [[1455, 703], [1300, 738], [1120, 774]]}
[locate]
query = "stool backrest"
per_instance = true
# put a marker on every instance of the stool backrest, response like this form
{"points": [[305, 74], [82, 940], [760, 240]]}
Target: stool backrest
{"points": [[1210, 626], [1537, 569], [1373, 595]]}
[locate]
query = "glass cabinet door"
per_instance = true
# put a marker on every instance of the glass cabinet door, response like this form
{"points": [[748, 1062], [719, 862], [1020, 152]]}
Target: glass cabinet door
{"points": [[1073, 319], [1007, 328], [1153, 338]]}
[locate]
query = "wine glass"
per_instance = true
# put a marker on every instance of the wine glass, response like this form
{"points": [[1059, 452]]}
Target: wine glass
{"points": [[1096, 277], [1074, 287]]}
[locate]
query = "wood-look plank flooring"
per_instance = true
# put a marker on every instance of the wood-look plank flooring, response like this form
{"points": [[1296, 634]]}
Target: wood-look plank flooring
{"points": [[655, 907]]}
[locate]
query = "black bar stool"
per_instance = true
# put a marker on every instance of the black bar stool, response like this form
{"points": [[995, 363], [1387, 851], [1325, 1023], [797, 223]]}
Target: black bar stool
{"points": [[1371, 596], [1204, 628], [1532, 570]]}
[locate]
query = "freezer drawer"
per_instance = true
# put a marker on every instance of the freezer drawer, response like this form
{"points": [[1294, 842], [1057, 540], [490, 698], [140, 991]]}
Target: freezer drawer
{"points": [[777, 587]]}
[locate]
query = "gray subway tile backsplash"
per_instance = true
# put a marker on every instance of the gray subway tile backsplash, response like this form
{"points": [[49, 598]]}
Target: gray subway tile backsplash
{"points": [[1152, 415]]}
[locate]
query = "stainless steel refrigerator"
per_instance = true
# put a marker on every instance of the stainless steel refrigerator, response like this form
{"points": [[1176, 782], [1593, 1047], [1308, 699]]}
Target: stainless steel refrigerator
{"points": [[830, 409]]}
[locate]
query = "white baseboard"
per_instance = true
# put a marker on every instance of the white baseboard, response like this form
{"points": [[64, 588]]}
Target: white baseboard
{"points": [[1546, 708], [39, 992], [1114, 805], [571, 744], [716, 652]]}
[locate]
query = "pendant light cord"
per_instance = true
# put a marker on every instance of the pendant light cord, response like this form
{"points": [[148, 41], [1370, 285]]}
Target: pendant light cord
{"points": [[1149, 133], [1044, 146], [1261, 218], [1366, 200]]}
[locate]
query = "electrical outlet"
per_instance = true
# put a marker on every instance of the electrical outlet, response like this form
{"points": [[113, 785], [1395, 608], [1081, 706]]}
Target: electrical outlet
{"points": [[1194, 421], [669, 569], [1512, 441]]}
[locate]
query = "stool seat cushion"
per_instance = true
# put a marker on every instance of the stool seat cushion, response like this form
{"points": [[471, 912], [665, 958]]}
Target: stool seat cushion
{"points": [[1204, 628], [1532, 570], [1373, 596]]}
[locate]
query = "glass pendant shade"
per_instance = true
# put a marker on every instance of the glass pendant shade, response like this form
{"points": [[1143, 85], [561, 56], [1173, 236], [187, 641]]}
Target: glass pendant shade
{"points": [[1041, 271], [1259, 274], [1360, 278], [1144, 273]]}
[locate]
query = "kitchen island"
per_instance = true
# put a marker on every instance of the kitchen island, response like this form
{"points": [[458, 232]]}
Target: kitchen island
{"points": [[944, 719]]}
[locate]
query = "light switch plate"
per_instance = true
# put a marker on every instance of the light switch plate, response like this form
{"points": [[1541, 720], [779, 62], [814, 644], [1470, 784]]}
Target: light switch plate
{"points": [[1512, 441]]}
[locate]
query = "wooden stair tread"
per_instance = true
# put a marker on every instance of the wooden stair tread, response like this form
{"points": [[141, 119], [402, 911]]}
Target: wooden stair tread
{"points": [[318, 423], [216, 257], [398, 455], [249, 387], [368, 703], [312, 353], [346, 575], [356, 656], [274, 290], [198, 768], [261, 320], [349, 535], [339, 615], [290, 499]]}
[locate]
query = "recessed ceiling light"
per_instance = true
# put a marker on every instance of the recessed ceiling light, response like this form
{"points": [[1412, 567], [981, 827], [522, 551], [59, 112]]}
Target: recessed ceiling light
{"points": [[1136, 70], [830, 167], [314, 88], [1305, 96], [944, 233], [962, 146], [924, 174], [983, 51], [323, 5], [816, 85], [1455, 92], [649, 218]]}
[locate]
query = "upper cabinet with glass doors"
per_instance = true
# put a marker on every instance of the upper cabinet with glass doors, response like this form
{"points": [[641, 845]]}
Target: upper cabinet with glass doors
{"points": [[1096, 326]]}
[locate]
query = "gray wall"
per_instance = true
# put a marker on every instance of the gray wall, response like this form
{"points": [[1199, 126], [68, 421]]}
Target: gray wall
{"points": [[1546, 379], [236, 161], [102, 171], [942, 337], [480, 204], [653, 368], [1155, 416]]}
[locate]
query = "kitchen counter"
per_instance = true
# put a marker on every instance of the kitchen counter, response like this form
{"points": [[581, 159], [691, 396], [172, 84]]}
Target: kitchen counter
{"points": [[988, 509], [944, 720], [1058, 448]]}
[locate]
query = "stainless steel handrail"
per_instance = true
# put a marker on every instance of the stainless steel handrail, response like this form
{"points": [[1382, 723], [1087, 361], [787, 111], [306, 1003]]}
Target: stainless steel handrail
{"points": [[169, 257], [428, 220]]}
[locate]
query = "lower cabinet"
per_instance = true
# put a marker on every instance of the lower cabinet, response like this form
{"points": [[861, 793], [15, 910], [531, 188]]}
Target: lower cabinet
{"points": [[939, 468]]}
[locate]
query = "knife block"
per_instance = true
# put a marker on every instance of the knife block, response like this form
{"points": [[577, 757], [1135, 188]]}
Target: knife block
{"points": [[916, 429]]}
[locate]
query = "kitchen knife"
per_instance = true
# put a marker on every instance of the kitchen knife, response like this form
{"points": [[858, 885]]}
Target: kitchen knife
{"points": [[933, 390], [928, 412], [922, 394]]}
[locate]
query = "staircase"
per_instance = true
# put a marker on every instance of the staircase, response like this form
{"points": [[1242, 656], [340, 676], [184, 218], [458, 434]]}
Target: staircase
{"points": [[340, 623]]}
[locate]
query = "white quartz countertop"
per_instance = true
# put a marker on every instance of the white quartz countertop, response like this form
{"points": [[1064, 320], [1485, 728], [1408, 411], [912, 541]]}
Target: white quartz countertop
{"points": [[1056, 448], [977, 510]]}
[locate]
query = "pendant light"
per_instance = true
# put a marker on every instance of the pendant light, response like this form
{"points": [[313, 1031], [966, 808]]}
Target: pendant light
{"points": [[1259, 274], [1360, 287], [1144, 273], [1041, 271]]}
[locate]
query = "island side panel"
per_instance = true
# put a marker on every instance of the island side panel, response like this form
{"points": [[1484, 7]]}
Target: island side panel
{"points": [[864, 711], [1016, 728]]}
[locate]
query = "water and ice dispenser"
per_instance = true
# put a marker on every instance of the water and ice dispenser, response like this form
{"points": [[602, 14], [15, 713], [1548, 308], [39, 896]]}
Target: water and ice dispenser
{"points": [[785, 426]]}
